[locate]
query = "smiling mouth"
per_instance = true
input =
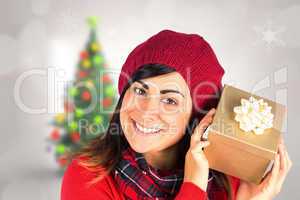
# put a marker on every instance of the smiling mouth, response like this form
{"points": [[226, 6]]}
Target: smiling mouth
{"points": [[142, 130]]}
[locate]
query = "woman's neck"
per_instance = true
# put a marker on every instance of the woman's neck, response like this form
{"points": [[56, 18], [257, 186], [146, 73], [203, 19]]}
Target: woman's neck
{"points": [[166, 159]]}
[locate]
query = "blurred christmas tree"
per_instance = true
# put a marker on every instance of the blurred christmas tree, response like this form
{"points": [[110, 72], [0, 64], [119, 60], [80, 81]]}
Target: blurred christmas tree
{"points": [[88, 104]]}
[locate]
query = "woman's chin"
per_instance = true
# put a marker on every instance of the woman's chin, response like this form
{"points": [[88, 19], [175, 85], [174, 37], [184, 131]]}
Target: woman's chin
{"points": [[141, 145], [140, 148]]}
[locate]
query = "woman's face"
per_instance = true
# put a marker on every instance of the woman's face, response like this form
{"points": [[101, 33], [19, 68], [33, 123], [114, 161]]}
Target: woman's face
{"points": [[155, 112]]}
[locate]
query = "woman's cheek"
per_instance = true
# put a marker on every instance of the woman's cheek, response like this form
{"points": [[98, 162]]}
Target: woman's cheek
{"points": [[176, 124], [130, 102], [182, 117]]}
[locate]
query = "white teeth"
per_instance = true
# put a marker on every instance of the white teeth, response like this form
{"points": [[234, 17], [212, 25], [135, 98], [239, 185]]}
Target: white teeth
{"points": [[146, 130]]}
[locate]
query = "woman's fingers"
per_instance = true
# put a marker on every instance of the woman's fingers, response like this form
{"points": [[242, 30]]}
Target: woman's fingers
{"points": [[275, 171], [275, 178], [283, 161], [208, 116], [284, 167], [290, 163], [204, 123], [198, 147], [287, 157], [266, 179], [270, 177]]}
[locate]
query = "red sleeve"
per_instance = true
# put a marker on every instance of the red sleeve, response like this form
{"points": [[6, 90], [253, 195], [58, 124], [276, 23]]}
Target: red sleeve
{"points": [[189, 190], [235, 184], [74, 185]]}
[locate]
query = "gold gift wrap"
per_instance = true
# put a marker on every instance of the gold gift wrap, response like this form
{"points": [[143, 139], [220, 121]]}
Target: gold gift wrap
{"points": [[242, 154]]}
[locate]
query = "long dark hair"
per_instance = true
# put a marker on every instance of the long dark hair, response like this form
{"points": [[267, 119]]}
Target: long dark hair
{"points": [[102, 153]]}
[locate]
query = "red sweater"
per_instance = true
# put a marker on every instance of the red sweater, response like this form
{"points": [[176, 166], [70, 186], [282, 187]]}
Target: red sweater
{"points": [[75, 177]]}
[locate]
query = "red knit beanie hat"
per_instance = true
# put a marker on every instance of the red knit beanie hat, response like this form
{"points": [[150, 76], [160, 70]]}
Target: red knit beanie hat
{"points": [[190, 55]]}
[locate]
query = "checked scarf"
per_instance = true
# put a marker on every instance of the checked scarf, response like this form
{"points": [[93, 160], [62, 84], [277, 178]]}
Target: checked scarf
{"points": [[138, 180]]}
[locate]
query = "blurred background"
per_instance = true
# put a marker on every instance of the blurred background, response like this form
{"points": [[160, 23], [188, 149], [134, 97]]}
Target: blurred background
{"points": [[257, 43]]}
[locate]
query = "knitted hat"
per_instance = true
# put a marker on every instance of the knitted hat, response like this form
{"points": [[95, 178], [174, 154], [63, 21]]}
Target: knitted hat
{"points": [[190, 55]]}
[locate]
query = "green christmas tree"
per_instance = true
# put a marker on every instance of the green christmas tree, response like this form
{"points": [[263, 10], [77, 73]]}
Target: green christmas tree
{"points": [[88, 104]]}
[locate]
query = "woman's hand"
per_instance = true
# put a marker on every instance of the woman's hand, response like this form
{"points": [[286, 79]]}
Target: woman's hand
{"points": [[196, 167], [273, 181]]}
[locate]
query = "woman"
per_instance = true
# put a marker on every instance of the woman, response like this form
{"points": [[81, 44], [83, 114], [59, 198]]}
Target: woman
{"points": [[153, 148]]}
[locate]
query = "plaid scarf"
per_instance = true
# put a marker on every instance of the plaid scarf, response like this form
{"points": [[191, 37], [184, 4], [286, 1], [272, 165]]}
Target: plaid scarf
{"points": [[138, 180]]}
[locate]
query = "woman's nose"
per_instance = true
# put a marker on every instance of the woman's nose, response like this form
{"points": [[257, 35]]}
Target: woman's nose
{"points": [[150, 105], [150, 112]]}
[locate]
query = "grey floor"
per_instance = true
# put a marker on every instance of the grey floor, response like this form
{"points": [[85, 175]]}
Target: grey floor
{"points": [[28, 170]]}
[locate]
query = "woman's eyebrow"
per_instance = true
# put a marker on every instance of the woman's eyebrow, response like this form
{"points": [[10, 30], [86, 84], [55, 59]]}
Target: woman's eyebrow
{"points": [[143, 84], [169, 90], [162, 91]]}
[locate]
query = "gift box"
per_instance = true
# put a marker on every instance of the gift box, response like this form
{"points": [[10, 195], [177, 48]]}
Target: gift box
{"points": [[247, 155]]}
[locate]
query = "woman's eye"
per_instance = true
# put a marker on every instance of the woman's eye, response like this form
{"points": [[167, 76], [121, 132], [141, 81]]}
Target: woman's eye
{"points": [[170, 101], [139, 91]]}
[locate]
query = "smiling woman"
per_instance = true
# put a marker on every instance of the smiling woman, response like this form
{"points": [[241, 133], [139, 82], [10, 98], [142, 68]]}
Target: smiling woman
{"points": [[152, 148], [168, 113]]}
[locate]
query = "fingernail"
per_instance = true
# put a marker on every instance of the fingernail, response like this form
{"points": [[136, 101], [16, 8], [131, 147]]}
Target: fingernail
{"points": [[281, 141]]}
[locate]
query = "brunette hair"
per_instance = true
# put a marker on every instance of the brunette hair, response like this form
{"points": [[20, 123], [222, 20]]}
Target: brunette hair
{"points": [[102, 153]]}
